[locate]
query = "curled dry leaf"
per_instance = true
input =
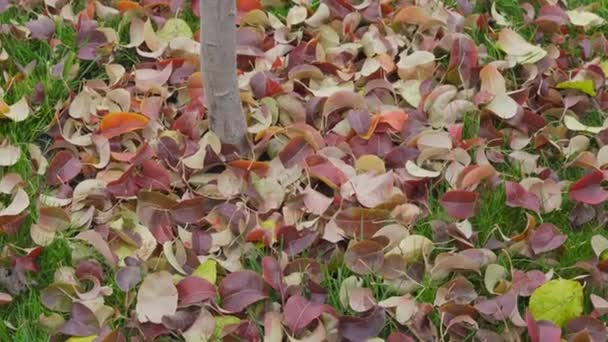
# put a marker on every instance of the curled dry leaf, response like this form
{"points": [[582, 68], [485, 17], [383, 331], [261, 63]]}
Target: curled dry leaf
{"points": [[19, 111], [9, 154], [157, 297]]}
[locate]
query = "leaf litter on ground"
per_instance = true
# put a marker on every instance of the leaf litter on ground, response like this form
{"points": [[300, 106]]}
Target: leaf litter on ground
{"points": [[359, 113]]}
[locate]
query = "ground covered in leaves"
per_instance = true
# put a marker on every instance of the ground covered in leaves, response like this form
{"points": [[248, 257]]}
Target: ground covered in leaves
{"points": [[422, 171]]}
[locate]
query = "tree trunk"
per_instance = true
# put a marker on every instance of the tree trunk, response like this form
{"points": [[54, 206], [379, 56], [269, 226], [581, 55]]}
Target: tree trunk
{"points": [[218, 61]]}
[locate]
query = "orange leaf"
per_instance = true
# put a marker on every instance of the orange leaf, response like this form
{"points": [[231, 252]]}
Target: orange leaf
{"points": [[115, 124], [372, 127], [267, 133], [126, 5], [249, 165], [248, 5], [394, 118]]}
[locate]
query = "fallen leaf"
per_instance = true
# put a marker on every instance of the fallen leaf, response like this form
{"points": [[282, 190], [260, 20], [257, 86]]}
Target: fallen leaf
{"points": [[588, 189], [157, 297], [459, 203], [557, 301], [364, 257], [115, 124], [299, 312], [240, 289]]}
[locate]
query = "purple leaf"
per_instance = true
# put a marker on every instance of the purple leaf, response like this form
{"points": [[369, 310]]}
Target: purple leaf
{"points": [[241, 289], [82, 322], [42, 29], [362, 328], [546, 238], [128, 277]]}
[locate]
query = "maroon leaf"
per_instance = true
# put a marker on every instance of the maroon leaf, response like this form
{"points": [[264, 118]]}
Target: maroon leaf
{"points": [[459, 204], [271, 270], [194, 290], [299, 312], [82, 322], [362, 328], [241, 289], [294, 153], [518, 197], [546, 238], [364, 257], [190, 211], [295, 241], [586, 328], [399, 337], [463, 57], [89, 268], [153, 176], [588, 189], [63, 168], [180, 320], [201, 242]]}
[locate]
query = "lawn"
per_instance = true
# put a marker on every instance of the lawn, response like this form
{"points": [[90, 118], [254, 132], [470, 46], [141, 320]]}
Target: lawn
{"points": [[430, 171]]}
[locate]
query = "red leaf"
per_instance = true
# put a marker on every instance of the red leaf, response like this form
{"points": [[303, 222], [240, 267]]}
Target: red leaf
{"points": [[299, 312], [115, 124], [518, 197], [241, 289], [194, 290], [196, 8], [28, 261], [459, 204], [153, 176], [248, 5], [125, 185], [63, 168], [588, 189]]}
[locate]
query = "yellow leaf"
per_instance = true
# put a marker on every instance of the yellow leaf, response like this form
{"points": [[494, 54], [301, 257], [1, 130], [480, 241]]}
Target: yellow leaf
{"points": [[207, 270], [586, 86], [369, 162]]}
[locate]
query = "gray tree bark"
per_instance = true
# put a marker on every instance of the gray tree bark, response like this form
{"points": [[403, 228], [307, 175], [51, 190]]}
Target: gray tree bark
{"points": [[218, 62]]}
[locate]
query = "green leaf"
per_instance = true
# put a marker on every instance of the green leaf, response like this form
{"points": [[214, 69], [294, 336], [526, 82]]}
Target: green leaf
{"points": [[557, 301], [586, 86], [175, 28], [207, 270], [221, 322]]}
